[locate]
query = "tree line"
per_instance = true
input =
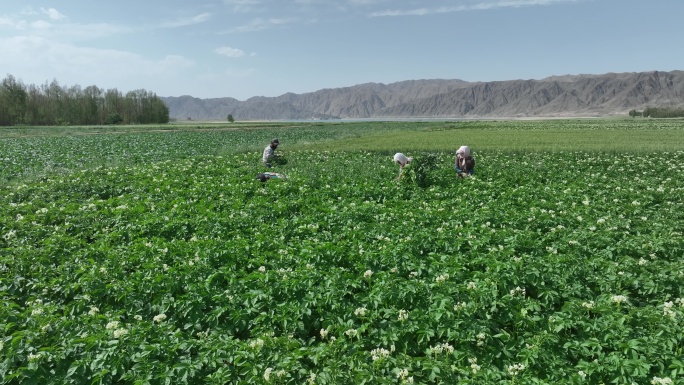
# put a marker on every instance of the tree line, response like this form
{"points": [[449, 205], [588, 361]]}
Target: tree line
{"points": [[52, 104], [658, 112]]}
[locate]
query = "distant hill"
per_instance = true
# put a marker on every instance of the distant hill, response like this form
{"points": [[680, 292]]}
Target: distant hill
{"points": [[555, 96]]}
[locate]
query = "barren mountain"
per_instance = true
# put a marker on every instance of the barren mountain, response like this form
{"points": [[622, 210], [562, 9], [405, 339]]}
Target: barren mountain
{"points": [[567, 95]]}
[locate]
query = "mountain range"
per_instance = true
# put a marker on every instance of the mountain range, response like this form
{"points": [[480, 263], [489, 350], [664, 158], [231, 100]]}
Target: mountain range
{"points": [[556, 96]]}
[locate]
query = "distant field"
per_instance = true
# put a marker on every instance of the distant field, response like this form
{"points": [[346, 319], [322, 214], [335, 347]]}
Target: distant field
{"points": [[151, 255]]}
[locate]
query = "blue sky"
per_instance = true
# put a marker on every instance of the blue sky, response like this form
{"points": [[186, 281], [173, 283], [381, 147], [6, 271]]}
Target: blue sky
{"points": [[245, 48]]}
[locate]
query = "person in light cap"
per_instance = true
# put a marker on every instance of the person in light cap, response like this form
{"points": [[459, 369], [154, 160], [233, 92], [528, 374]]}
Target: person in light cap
{"points": [[402, 160], [464, 163]]}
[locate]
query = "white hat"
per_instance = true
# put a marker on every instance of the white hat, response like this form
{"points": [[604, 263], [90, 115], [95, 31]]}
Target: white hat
{"points": [[464, 151], [402, 159]]}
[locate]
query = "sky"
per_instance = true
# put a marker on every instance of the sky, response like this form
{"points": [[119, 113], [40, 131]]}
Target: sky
{"points": [[247, 48]]}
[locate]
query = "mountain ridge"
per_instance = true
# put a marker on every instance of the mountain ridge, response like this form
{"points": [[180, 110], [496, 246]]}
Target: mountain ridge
{"points": [[586, 95]]}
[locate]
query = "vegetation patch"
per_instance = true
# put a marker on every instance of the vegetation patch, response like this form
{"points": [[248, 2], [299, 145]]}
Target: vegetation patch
{"points": [[157, 258]]}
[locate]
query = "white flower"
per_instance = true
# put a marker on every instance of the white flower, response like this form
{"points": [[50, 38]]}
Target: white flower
{"points": [[459, 306], [262, 269], [441, 348], [324, 333], [256, 344], [112, 325], [667, 310], [517, 291], [34, 357], [442, 278], [360, 312], [351, 333], [379, 353], [582, 374], [481, 339], [93, 310], [471, 285], [618, 298], [473, 365], [403, 315], [138, 317], [661, 381], [367, 274], [267, 374], [515, 369], [120, 332], [159, 317], [588, 305]]}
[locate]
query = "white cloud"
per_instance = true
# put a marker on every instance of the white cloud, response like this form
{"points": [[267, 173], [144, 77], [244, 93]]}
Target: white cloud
{"points": [[53, 13], [366, 2], [243, 5], [261, 24], [68, 31], [36, 60], [242, 2], [90, 31], [478, 6], [6, 22], [28, 11], [230, 52], [41, 25], [183, 22]]}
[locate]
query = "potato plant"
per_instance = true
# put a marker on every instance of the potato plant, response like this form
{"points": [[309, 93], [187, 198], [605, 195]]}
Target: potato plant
{"points": [[552, 267]]}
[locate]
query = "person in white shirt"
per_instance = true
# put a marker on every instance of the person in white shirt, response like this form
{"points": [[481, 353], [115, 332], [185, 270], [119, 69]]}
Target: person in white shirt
{"points": [[402, 160], [269, 152], [464, 162]]}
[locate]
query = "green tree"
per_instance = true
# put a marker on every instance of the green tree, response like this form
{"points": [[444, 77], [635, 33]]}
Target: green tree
{"points": [[230, 118], [13, 98]]}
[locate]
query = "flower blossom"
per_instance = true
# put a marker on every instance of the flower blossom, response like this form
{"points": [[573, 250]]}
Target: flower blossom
{"points": [[379, 353], [473, 365], [258, 343], [618, 298], [515, 369]]}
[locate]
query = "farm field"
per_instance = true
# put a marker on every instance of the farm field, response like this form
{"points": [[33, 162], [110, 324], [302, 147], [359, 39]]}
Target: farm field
{"points": [[150, 255]]}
